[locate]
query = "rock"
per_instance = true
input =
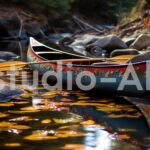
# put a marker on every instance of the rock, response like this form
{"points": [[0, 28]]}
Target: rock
{"points": [[8, 56], [78, 48], [9, 27], [96, 51], [66, 41], [143, 41], [118, 52], [6, 93], [129, 41], [81, 41], [110, 43]]}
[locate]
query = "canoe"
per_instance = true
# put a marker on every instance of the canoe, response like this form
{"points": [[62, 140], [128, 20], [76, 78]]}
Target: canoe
{"points": [[89, 73], [41, 48]]}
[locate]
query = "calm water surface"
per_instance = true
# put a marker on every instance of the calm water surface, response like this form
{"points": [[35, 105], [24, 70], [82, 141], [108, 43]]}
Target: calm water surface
{"points": [[62, 120]]}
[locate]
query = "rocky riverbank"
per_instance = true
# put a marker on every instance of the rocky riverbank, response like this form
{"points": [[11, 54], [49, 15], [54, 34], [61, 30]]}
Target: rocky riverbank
{"points": [[77, 35]]}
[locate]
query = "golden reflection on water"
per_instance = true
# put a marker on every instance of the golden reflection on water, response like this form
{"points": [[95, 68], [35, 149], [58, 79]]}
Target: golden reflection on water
{"points": [[70, 121]]}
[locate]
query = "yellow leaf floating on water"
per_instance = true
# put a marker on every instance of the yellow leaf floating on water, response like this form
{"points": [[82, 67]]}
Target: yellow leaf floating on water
{"points": [[54, 93], [5, 66], [7, 104], [64, 121], [40, 135], [21, 102], [50, 94], [46, 121], [9, 125], [68, 127], [83, 97], [23, 118], [26, 95], [12, 144], [74, 147], [30, 109], [123, 137], [88, 122], [68, 133], [127, 130], [3, 115], [112, 107]]}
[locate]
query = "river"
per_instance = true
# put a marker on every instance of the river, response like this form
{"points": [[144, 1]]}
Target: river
{"points": [[66, 120]]}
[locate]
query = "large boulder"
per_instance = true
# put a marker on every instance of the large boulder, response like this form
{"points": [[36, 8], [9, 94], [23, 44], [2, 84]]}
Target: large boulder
{"points": [[143, 41], [8, 92], [110, 43]]}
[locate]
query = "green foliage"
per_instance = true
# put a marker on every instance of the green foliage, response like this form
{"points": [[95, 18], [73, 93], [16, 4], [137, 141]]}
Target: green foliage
{"points": [[55, 8], [119, 7], [106, 9]]}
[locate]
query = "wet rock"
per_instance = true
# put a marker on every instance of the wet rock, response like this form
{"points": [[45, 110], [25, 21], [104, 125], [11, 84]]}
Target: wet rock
{"points": [[8, 56], [81, 42], [7, 93], [143, 41], [129, 41], [110, 43], [66, 41], [96, 51], [9, 27], [118, 52]]}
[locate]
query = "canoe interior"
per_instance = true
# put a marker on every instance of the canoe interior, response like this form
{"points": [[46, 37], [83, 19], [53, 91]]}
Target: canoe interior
{"points": [[48, 54]]}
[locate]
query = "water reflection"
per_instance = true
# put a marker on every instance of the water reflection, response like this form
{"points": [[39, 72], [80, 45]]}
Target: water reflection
{"points": [[16, 47], [66, 120]]}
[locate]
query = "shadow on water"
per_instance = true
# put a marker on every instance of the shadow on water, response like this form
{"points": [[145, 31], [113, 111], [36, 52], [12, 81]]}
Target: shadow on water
{"points": [[17, 47], [72, 120], [66, 120]]}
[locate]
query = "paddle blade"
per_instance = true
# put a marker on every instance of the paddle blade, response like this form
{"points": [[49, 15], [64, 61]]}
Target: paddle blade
{"points": [[12, 65], [122, 58]]}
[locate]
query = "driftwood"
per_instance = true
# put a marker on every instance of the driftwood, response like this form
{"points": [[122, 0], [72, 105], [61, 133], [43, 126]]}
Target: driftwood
{"points": [[129, 30], [129, 23], [86, 24]]}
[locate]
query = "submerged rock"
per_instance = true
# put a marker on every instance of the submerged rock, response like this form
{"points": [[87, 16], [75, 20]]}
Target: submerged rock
{"points": [[7, 93], [8, 56], [143, 41]]}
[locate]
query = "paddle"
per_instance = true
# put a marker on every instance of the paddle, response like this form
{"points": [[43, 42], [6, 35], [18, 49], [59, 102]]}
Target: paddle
{"points": [[5, 66]]}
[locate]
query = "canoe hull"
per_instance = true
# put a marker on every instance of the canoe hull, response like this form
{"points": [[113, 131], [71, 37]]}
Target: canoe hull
{"points": [[101, 74]]}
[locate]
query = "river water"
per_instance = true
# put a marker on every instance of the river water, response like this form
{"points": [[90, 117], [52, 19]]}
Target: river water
{"points": [[71, 120]]}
